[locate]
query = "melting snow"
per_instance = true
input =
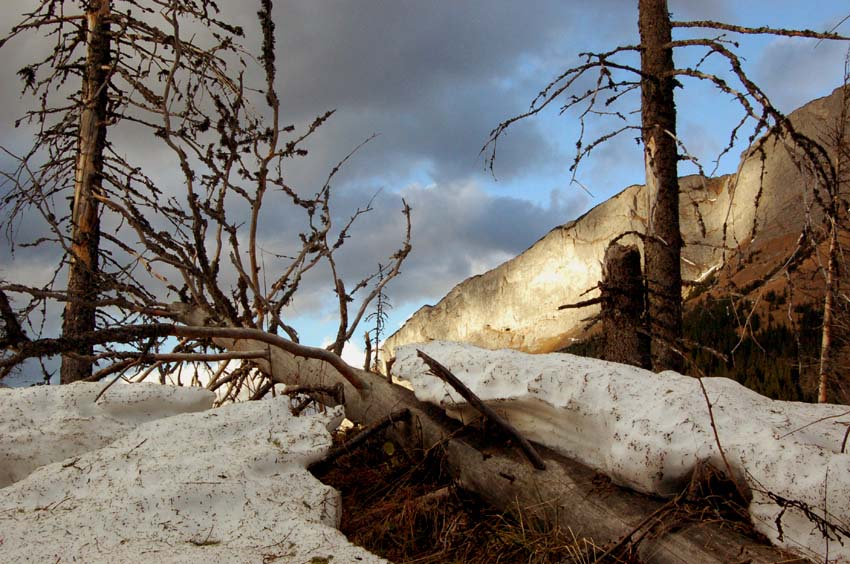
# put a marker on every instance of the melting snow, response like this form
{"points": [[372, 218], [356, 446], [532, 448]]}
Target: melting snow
{"points": [[224, 485], [648, 431], [45, 424]]}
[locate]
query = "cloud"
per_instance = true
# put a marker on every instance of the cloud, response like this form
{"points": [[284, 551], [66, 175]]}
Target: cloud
{"points": [[717, 10], [432, 79], [793, 71], [458, 230]]}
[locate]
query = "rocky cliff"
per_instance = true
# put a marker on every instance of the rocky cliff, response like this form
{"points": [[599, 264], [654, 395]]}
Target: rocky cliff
{"points": [[515, 305]]}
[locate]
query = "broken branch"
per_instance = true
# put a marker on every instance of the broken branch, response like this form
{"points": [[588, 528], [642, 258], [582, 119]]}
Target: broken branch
{"points": [[445, 375]]}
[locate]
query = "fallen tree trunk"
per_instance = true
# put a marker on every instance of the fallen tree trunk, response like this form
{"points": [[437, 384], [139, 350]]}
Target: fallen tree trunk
{"points": [[567, 494]]}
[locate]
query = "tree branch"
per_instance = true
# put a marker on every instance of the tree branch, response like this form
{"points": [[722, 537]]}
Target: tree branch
{"points": [[761, 30], [445, 375]]}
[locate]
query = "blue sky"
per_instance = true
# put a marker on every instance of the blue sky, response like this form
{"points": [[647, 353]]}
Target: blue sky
{"points": [[432, 79]]}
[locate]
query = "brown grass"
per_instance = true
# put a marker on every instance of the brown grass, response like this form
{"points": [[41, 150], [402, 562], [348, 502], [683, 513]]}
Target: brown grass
{"points": [[404, 507]]}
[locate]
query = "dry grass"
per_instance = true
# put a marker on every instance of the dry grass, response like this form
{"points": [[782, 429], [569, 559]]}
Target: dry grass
{"points": [[405, 507]]}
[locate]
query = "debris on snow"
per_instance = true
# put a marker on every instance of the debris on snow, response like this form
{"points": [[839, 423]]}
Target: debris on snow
{"points": [[44, 424], [224, 485], [649, 431]]}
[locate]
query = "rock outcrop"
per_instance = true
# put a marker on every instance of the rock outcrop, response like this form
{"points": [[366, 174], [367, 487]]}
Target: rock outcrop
{"points": [[515, 305]]}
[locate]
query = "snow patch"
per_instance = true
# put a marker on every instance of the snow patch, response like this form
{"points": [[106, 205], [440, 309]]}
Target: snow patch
{"points": [[220, 486], [648, 431], [45, 424]]}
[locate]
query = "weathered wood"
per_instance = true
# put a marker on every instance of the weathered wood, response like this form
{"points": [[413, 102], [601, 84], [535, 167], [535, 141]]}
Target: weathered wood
{"points": [[663, 244], [623, 307], [80, 311], [446, 376], [567, 494], [367, 362]]}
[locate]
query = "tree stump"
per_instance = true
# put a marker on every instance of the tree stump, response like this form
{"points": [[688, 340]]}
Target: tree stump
{"points": [[623, 307]]}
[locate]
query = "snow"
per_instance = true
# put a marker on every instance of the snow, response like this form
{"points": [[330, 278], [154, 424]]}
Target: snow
{"points": [[649, 431], [45, 424], [223, 485]]}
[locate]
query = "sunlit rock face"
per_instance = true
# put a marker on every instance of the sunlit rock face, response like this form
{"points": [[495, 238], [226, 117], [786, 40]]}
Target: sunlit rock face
{"points": [[515, 305]]}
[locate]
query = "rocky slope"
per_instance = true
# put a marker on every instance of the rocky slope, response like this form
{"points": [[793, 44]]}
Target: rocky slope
{"points": [[764, 206]]}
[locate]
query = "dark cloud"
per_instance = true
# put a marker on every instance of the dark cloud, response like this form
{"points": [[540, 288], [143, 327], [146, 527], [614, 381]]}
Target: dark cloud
{"points": [[794, 71], [432, 78], [458, 230]]}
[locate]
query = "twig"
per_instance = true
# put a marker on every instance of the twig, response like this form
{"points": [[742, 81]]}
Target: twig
{"points": [[445, 375], [760, 30], [585, 303], [815, 422], [664, 508], [320, 465], [732, 477], [296, 411], [824, 526], [337, 393], [106, 387]]}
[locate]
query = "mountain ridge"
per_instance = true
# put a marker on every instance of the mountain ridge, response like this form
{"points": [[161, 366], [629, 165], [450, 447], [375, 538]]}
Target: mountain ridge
{"points": [[515, 305]]}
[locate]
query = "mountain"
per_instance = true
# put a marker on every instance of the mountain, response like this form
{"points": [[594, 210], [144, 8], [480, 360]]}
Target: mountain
{"points": [[738, 229]]}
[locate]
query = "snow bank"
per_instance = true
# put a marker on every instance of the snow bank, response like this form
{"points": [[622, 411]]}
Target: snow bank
{"points": [[45, 424], [225, 485], [648, 431]]}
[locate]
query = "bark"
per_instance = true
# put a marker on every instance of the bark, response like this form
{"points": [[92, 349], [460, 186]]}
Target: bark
{"points": [[623, 307], [664, 239], [825, 373], [367, 363], [566, 494], [80, 311]]}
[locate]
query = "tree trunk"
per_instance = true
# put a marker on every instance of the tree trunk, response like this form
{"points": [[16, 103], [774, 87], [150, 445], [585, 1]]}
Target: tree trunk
{"points": [[826, 360], [567, 494], [80, 310], [623, 307], [664, 240], [827, 374]]}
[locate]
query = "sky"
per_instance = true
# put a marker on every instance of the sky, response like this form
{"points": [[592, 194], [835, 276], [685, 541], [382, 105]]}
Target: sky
{"points": [[431, 80]]}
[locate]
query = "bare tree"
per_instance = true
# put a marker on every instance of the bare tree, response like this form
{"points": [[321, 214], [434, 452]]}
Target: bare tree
{"points": [[663, 243], [203, 248], [379, 317], [114, 55], [835, 206], [88, 180], [607, 99]]}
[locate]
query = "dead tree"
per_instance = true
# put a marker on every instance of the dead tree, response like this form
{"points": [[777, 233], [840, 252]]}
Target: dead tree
{"points": [[608, 99], [115, 56], [228, 142], [663, 238], [79, 314], [379, 316], [623, 307], [831, 386]]}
